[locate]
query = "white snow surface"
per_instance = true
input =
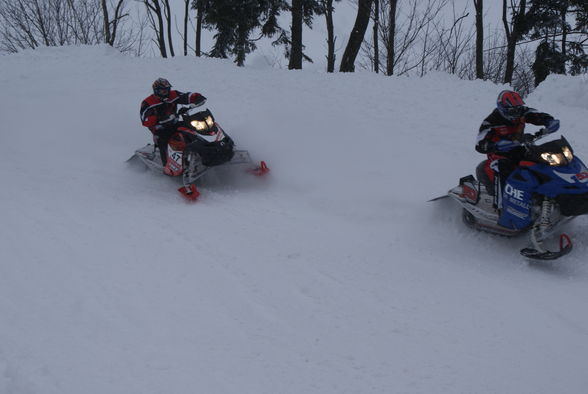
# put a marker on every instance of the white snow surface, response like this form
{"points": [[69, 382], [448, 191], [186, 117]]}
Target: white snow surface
{"points": [[332, 275]]}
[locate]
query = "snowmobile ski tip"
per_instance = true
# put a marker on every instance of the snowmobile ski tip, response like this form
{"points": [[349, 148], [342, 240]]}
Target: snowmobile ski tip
{"points": [[438, 198], [565, 247], [261, 170], [190, 192]]}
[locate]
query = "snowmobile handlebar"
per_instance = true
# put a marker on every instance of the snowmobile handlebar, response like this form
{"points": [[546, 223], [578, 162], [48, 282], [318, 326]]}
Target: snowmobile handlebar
{"points": [[529, 139]]}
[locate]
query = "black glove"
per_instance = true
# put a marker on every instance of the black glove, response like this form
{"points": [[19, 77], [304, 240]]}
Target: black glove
{"points": [[528, 138], [485, 146], [199, 101], [164, 132], [169, 121]]}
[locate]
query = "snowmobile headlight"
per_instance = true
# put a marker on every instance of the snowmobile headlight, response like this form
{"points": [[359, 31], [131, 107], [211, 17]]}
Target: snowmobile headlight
{"points": [[554, 159], [568, 154], [209, 121], [199, 125]]}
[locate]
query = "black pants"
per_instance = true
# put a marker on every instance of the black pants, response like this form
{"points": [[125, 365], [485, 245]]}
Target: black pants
{"points": [[502, 170], [163, 137], [162, 145]]}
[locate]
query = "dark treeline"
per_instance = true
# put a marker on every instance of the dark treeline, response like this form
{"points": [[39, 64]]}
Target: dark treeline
{"points": [[532, 39]]}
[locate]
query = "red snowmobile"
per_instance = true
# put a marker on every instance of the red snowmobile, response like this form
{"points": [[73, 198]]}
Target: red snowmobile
{"points": [[198, 145]]}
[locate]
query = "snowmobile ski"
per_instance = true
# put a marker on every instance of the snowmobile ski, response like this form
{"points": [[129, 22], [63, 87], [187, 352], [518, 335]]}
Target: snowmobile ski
{"points": [[438, 198], [565, 247], [260, 170], [190, 193]]}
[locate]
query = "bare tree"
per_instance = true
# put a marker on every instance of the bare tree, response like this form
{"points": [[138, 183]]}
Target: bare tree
{"points": [[357, 34], [111, 26], [495, 57], [154, 11], [390, 37], [200, 6], [513, 30], [479, 6], [167, 14], [454, 43], [34, 23], [523, 77], [376, 36], [186, 19], [328, 5], [402, 36]]}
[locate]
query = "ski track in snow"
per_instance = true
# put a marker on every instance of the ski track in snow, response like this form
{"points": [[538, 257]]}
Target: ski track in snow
{"points": [[332, 275]]}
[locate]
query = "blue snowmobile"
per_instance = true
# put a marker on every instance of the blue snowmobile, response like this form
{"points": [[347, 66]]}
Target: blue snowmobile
{"points": [[547, 190]]}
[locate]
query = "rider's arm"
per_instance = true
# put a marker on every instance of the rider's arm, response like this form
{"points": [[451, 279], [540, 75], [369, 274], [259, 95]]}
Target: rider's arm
{"points": [[542, 119], [191, 98], [537, 118], [148, 115], [484, 141], [150, 119]]}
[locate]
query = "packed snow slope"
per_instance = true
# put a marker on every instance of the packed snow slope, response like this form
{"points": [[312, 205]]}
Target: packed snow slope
{"points": [[333, 275]]}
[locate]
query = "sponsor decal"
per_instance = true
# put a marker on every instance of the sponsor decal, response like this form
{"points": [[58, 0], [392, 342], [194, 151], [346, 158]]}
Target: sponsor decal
{"points": [[470, 193], [581, 177], [514, 212], [177, 157], [515, 193]]}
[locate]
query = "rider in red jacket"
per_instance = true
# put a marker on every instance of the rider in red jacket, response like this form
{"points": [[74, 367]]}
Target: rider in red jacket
{"points": [[158, 112], [501, 134]]}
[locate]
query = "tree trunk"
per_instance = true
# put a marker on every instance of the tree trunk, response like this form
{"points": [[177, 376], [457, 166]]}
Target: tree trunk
{"points": [[169, 33], [479, 5], [296, 31], [391, 38], [199, 14], [240, 45], [117, 16], [362, 20], [330, 36], [564, 34], [512, 36], [376, 37], [156, 8], [186, 10], [106, 22]]}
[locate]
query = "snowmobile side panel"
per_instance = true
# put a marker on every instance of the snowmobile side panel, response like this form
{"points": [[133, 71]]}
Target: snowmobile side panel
{"points": [[516, 199]]}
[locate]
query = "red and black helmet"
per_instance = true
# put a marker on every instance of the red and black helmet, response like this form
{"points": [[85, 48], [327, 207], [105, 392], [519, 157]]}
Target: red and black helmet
{"points": [[161, 88], [510, 104]]}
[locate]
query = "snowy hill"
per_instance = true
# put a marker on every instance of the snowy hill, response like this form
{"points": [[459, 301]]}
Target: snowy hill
{"points": [[331, 276]]}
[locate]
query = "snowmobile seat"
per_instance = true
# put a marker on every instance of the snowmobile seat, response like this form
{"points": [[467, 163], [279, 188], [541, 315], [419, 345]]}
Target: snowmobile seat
{"points": [[483, 177]]}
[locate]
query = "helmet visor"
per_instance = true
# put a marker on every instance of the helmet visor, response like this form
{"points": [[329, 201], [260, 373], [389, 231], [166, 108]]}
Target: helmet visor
{"points": [[161, 91], [514, 112]]}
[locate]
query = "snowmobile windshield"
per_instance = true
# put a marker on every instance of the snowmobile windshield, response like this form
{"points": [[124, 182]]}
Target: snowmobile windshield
{"points": [[203, 125], [202, 121], [554, 153]]}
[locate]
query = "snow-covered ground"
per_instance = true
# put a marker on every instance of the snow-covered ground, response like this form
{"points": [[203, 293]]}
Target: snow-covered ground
{"points": [[331, 276]]}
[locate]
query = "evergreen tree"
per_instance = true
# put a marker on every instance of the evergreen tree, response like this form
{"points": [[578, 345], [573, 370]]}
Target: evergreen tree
{"points": [[548, 60], [548, 20], [579, 57], [235, 21]]}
